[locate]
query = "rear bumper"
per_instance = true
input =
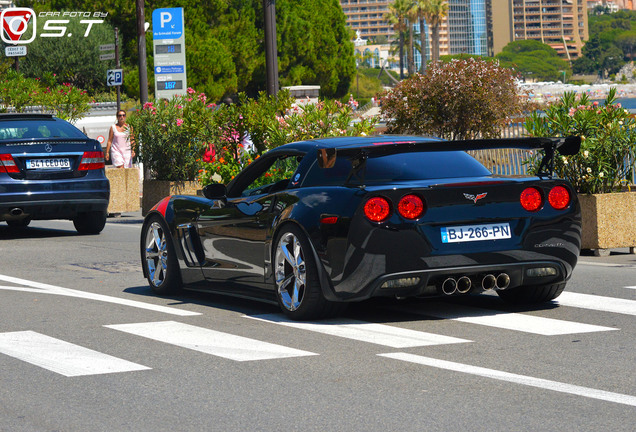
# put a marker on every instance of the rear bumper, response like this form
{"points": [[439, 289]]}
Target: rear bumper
{"points": [[429, 282], [60, 199]]}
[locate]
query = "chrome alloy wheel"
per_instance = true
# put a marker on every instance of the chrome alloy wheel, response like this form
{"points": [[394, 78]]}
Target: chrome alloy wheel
{"points": [[290, 271], [156, 254]]}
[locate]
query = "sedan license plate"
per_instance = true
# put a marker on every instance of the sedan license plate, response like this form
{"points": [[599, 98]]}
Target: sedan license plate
{"points": [[51, 163], [475, 232]]}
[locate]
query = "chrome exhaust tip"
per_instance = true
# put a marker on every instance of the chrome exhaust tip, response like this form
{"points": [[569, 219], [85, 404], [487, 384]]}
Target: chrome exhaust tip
{"points": [[488, 282], [449, 286], [463, 284], [16, 212], [503, 280]]}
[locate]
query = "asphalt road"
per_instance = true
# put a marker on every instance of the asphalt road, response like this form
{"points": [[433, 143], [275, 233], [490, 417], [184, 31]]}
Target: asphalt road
{"points": [[86, 346]]}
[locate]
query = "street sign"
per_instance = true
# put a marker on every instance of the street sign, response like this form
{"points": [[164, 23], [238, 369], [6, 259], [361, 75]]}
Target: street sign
{"points": [[15, 51], [115, 77], [169, 52], [107, 47], [109, 56]]}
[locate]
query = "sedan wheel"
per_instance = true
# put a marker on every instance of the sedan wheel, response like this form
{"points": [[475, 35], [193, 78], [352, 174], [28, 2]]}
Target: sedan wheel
{"points": [[158, 257], [296, 276]]}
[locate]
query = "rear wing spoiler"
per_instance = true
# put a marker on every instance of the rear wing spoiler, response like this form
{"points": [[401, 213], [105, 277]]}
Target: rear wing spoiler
{"points": [[566, 146]]}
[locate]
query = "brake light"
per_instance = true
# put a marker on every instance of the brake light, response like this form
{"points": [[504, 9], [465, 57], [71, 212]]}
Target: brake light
{"points": [[92, 160], [411, 207], [531, 199], [7, 164], [377, 209], [559, 197]]}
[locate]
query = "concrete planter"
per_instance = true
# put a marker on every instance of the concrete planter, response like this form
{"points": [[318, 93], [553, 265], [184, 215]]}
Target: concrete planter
{"points": [[608, 221], [155, 190], [124, 189]]}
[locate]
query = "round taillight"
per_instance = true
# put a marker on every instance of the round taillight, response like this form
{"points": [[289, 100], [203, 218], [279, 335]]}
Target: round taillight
{"points": [[531, 199], [411, 207], [559, 197], [377, 209]]}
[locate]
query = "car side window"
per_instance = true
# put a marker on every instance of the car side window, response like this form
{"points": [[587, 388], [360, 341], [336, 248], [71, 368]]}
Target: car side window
{"points": [[275, 178]]}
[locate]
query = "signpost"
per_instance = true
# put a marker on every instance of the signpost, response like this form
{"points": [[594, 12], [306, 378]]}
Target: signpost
{"points": [[169, 49], [115, 77]]}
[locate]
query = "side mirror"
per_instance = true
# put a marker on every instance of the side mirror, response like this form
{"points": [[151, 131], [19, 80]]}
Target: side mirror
{"points": [[215, 191]]}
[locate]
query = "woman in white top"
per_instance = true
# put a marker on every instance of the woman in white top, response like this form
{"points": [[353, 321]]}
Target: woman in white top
{"points": [[119, 148]]}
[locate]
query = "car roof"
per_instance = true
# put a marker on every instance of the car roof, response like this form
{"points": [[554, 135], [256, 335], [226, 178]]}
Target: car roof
{"points": [[25, 116]]}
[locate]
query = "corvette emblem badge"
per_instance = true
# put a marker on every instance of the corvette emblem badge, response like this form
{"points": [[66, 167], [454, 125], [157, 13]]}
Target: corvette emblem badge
{"points": [[475, 198]]}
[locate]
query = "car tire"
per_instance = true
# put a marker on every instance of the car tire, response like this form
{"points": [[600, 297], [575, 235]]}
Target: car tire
{"points": [[90, 222], [159, 258], [296, 279], [19, 223], [530, 295]]}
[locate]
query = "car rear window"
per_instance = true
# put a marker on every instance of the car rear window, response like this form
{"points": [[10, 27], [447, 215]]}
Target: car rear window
{"points": [[40, 128], [399, 167]]}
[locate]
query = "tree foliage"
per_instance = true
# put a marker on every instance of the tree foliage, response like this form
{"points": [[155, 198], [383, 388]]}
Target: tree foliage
{"points": [[225, 51], [461, 99], [533, 59], [612, 42]]}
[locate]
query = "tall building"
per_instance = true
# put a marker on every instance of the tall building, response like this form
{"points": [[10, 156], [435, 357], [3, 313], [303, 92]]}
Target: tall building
{"points": [[462, 31], [484, 27], [562, 24]]}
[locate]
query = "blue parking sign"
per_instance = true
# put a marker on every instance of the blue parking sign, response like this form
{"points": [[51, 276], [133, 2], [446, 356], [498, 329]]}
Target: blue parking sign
{"points": [[167, 23]]}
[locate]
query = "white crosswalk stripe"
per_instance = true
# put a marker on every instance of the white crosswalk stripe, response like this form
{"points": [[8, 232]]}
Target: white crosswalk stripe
{"points": [[598, 303], [61, 357], [379, 334], [210, 341], [515, 378], [504, 320]]}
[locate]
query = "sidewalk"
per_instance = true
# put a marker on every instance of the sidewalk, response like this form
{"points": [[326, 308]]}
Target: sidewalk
{"points": [[127, 218]]}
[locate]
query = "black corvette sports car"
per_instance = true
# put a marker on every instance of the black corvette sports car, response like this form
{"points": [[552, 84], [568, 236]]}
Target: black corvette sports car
{"points": [[315, 224]]}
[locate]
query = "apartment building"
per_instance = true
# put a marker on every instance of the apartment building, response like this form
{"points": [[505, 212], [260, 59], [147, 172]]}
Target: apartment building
{"points": [[562, 24], [484, 27]]}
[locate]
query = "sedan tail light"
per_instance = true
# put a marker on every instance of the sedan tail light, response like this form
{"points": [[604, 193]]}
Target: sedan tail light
{"points": [[7, 164], [531, 199], [377, 209], [559, 197], [411, 207], [92, 160]]}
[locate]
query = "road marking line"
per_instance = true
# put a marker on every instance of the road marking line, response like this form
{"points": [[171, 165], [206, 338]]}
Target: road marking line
{"points": [[601, 264], [517, 379], [51, 289], [379, 334], [504, 320], [210, 341], [61, 357], [630, 287], [598, 303]]}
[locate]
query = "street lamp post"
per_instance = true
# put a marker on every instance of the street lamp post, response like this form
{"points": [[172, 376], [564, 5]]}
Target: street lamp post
{"points": [[271, 50]]}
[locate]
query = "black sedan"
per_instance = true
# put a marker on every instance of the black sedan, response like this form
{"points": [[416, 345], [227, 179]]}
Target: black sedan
{"points": [[315, 224], [50, 170]]}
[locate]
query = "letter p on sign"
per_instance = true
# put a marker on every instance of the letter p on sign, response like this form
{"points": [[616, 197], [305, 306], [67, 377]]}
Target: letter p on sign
{"points": [[165, 17]]}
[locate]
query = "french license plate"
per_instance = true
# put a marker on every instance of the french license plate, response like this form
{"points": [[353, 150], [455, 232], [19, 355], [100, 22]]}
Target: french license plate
{"points": [[475, 232], [50, 163]]}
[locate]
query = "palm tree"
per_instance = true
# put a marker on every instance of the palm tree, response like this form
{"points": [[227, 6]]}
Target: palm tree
{"points": [[433, 12], [396, 16], [411, 17]]}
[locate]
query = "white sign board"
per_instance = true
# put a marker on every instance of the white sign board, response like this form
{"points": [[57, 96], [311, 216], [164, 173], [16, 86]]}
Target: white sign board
{"points": [[15, 51], [115, 77]]}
